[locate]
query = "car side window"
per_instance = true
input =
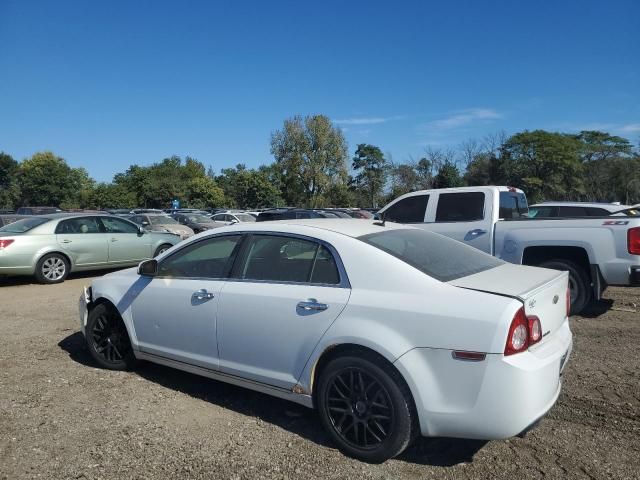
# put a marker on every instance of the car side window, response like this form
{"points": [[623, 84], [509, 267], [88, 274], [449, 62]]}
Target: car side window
{"points": [[572, 212], [460, 207], [117, 225], [408, 210], [210, 258], [598, 212], [288, 259], [78, 225]]}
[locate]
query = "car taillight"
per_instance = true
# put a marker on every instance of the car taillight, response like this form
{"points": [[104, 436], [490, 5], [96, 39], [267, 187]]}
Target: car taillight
{"points": [[5, 242], [633, 241], [535, 329], [524, 331], [518, 338]]}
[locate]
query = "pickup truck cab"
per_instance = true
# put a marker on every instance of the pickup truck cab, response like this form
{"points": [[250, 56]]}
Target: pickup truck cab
{"points": [[596, 251]]}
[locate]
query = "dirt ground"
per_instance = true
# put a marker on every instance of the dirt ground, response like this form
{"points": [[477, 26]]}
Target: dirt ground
{"points": [[61, 417]]}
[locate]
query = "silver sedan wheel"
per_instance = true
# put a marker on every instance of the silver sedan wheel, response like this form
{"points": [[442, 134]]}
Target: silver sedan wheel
{"points": [[54, 269]]}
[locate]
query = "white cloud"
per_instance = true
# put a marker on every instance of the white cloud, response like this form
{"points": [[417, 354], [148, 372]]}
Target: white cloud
{"points": [[462, 118], [366, 120], [630, 128]]}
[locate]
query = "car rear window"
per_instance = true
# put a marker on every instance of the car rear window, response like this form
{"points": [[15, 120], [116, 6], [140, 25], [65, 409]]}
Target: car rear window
{"points": [[439, 257], [24, 225], [460, 207], [513, 205]]}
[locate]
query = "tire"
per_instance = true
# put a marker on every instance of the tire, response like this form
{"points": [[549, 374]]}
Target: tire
{"points": [[108, 340], [161, 249], [355, 418], [579, 283], [52, 268]]}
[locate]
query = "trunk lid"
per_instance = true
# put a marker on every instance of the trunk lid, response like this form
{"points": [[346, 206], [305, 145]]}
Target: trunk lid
{"points": [[541, 290]]}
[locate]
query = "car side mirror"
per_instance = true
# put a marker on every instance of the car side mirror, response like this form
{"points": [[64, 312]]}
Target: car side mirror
{"points": [[145, 223], [141, 230], [148, 268], [234, 221]]}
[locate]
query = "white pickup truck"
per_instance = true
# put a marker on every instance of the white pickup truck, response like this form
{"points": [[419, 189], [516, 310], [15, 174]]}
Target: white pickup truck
{"points": [[597, 251]]}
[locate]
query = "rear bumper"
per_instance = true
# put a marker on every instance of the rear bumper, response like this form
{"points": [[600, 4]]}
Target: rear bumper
{"points": [[634, 276], [497, 398]]}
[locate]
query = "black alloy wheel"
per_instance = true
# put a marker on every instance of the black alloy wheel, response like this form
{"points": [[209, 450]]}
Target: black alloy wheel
{"points": [[366, 407], [108, 339], [360, 408]]}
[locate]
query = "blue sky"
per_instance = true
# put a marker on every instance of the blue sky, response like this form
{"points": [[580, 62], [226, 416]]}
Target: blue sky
{"points": [[107, 84]]}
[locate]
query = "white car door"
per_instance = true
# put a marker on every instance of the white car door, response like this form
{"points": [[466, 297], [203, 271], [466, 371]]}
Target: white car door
{"points": [[284, 294], [463, 216], [175, 314]]}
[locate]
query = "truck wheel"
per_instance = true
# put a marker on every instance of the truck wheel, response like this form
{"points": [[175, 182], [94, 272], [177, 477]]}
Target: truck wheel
{"points": [[579, 284]]}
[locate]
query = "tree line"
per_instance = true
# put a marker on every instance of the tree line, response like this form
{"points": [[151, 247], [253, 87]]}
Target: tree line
{"points": [[312, 167]]}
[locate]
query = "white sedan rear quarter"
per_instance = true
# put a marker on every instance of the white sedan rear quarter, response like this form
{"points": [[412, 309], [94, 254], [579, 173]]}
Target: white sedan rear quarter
{"points": [[388, 330]]}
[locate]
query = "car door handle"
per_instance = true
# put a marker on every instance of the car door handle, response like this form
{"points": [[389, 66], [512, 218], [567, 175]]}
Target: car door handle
{"points": [[202, 294], [114, 239], [471, 234], [66, 241], [312, 304]]}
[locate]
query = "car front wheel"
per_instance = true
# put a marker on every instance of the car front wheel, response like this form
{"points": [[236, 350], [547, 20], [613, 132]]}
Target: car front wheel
{"points": [[108, 340], [366, 408]]}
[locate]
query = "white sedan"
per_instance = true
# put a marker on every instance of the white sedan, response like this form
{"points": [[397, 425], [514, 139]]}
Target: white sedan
{"points": [[389, 331]]}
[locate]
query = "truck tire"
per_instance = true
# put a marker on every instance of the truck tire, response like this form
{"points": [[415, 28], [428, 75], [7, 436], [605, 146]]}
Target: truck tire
{"points": [[579, 283]]}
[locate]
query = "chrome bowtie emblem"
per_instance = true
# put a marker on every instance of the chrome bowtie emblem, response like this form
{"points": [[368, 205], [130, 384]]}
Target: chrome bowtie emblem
{"points": [[555, 299], [532, 303]]}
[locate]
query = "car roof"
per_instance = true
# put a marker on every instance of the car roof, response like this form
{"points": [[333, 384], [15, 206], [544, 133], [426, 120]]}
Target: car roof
{"points": [[57, 216], [351, 227]]}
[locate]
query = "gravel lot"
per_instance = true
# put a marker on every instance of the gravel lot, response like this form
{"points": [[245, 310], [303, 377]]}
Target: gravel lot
{"points": [[60, 417]]}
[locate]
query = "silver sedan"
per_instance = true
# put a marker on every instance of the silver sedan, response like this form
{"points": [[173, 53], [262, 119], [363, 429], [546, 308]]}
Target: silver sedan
{"points": [[49, 247]]}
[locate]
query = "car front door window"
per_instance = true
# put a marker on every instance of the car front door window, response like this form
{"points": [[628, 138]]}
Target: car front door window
{"points": [[210, 258]]}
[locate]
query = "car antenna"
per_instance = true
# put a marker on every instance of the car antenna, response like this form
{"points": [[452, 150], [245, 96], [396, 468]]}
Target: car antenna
{"points": [[382, 221]]}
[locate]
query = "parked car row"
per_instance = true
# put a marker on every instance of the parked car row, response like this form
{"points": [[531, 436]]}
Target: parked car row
{"points": [[49, 247]]}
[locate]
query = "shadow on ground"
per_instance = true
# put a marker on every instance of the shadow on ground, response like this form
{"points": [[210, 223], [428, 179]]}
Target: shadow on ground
{"points": [[289, 416], [12, 281], [598, 308]]}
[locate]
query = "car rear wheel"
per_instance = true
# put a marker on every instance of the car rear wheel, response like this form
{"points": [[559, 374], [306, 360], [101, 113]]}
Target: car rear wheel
{"points": [[579, 284], [52, 268], [161, 249], [366, 408], [108, 340]]}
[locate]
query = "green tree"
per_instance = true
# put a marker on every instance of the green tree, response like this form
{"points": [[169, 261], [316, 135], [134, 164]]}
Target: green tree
{"points": [[9, 190], [311, 154], [371, 169], [249, 188], [204, 192], [603, 158], [404, 179], [546, 165], [45, 179], [448, 176], [112, 195]]}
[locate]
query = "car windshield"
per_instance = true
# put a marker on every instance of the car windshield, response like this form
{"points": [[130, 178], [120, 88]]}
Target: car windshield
{"points": [[439, 257], [245, 217], [198, 219], [162, 220], [23, 225]]}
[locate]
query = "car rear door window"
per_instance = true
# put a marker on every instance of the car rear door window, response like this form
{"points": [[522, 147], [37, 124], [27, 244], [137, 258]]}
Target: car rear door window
{"points": [[210, 258], [288, 259], [460, 207], [408, 210], [117, 225], [78, 226]]}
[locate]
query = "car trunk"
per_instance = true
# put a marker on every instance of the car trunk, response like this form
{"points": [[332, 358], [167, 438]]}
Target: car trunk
{"points": [[542, 291]]}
